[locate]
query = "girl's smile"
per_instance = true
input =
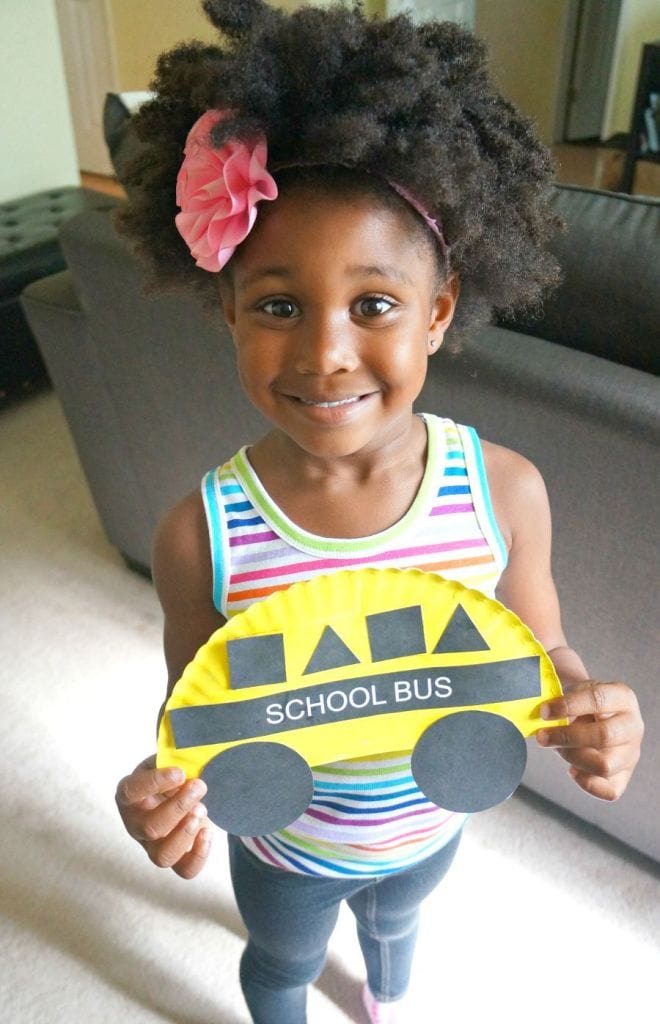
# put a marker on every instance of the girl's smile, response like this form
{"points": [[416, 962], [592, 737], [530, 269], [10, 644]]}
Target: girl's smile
{"points": [[334, 309], [332, 411]]}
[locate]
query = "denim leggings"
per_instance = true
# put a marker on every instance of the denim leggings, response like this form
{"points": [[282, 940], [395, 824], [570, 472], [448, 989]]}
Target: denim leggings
{"points": [[290, 917]]}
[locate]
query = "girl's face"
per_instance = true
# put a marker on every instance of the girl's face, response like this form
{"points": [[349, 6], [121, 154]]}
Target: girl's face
{"points": [[334, 311]]}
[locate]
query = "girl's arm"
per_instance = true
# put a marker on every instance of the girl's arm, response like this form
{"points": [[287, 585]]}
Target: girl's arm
{"points": [[159, 808], [602, 742]]}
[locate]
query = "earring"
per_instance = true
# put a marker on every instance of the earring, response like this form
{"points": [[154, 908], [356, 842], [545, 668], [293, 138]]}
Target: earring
{"points": [[431, 342]]}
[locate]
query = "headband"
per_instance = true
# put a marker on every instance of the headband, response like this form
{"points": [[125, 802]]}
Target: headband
{"points": [[217, 191]]}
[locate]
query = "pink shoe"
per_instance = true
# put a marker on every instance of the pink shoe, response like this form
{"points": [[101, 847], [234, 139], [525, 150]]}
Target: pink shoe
{"points": [[381, 1013]]}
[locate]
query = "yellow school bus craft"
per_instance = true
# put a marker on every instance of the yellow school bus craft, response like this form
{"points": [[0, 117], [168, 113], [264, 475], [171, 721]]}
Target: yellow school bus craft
{"points": [[353, 664]]}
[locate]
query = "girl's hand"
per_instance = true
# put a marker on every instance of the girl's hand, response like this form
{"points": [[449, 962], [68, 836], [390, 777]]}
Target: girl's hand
{"points": [[162, 811], [602, 742]]}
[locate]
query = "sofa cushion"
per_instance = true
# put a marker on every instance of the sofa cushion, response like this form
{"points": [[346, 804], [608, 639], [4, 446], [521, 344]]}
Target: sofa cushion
{"points": [[29, 228], [30, 250], [608, 303]]}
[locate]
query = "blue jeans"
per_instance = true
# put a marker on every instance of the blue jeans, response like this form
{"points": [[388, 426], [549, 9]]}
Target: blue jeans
{"points": [[290, 917]]}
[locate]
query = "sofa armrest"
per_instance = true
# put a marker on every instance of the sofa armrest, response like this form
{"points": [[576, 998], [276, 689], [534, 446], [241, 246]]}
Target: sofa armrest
{"points": [[593, 429], [160, 369], [59, 324], [553, 375], [608, 303]]}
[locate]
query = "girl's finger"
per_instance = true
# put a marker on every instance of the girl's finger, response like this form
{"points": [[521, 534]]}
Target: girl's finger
{"points": [[605, 764], [141, 785], [602, 733], [167, 816], [169, 850], [602, 789], [592, 698], [192, 862]]}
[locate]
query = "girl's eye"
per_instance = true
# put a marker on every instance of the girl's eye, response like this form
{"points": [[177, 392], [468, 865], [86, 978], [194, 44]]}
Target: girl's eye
{"points": [[373, 305], [282, 308]]}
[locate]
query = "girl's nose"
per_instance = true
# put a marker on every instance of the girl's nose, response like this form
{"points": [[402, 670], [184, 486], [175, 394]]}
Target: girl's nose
{"points": [[325, 347]]}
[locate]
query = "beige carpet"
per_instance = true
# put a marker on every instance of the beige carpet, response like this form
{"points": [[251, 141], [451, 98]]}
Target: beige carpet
{"points": [[538, 920]]}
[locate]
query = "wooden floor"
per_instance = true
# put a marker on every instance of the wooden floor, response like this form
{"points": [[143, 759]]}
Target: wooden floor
{"points": [[591, 166], [101, 183], [601, 167]]}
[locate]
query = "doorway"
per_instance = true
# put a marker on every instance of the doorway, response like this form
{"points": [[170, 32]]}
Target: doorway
{"points": [[89, 64], [587, 64]]}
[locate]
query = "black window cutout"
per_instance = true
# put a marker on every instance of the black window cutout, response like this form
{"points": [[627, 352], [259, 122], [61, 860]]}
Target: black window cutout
{"points": [[256, 660], [330, 652], [460, 635], [396, 634]]}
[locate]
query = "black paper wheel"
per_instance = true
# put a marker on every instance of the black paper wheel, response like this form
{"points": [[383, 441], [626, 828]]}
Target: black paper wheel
{"points": [[469, 761], [257, 788]]}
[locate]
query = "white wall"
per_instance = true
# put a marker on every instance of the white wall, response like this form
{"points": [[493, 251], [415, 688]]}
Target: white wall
{"points": [[525, 40], [37, 136], [639, 24]]}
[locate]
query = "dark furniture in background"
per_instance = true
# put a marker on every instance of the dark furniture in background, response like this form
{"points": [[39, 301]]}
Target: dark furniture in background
{"points": [[149, 388], [30, 249], [648, 82]]}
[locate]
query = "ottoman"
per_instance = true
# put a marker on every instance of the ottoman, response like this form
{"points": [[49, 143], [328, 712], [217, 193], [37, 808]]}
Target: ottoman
{"points": [[29, 249]]}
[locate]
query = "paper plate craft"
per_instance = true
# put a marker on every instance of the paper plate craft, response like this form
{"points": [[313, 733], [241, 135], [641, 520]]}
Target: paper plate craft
{"points": [[352, 664]]}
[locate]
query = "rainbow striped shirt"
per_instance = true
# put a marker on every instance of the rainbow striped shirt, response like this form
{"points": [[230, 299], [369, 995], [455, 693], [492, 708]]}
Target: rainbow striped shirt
{"points": [[367, 816]]}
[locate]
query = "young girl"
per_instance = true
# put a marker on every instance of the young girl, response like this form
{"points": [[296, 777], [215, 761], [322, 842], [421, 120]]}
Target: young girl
{"points": [[353, 192]]}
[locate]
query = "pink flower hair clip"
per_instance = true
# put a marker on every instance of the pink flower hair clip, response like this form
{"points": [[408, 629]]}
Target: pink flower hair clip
{"points": [[217, 191]]}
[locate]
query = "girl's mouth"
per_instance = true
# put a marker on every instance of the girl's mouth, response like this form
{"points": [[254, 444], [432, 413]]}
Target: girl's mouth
{"points": [[333, 404]]}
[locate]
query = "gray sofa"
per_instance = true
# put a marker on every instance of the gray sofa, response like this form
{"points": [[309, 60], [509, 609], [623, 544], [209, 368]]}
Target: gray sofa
{"points": [[151, 396]]}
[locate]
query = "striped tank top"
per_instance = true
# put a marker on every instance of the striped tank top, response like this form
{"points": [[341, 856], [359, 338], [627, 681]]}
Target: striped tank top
{"points": [[367, 816]]}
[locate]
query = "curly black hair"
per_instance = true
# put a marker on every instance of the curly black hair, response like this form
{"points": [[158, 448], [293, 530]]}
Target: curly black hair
{"points": [[410, 103]]}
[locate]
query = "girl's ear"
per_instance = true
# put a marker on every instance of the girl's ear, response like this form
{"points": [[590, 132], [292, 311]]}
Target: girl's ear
{"points": [[227, 301], [442, 311]]}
